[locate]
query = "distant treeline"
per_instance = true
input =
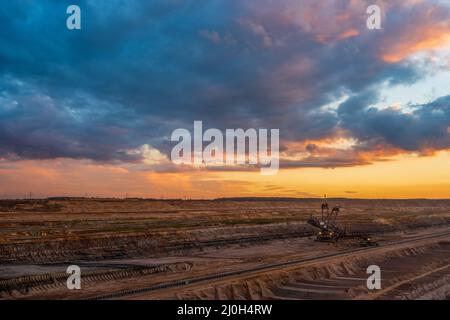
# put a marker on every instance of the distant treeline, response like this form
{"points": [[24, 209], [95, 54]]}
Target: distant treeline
{"points": [[283, 199], [242, 199]]}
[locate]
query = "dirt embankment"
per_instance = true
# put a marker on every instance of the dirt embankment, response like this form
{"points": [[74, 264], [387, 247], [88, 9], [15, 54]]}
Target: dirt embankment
{"points": [[411, 273], [94, 229]]}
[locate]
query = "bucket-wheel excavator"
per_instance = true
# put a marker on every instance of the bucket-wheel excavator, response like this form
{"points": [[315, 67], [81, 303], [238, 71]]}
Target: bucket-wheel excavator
{"points": [[329, 231]]}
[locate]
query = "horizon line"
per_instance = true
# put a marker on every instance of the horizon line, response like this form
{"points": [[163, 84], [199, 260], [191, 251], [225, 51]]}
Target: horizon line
{"points": [[247, 198]]}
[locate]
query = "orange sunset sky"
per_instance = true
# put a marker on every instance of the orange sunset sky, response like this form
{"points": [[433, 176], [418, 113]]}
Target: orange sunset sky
{"points": [[362, 113]]}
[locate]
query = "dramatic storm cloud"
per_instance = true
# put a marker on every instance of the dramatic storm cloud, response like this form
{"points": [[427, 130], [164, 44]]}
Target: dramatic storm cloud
{"points": [[139, 69]]}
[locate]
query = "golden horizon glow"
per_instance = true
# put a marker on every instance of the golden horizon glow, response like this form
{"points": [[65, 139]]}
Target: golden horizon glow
{"points": [[403, 176]]}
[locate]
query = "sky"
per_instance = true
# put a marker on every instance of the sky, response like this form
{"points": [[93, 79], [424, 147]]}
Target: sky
{"points": [[362, 113]]}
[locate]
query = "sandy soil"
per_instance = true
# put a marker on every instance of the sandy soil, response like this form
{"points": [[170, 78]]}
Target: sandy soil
{"points": [[127, 244]]}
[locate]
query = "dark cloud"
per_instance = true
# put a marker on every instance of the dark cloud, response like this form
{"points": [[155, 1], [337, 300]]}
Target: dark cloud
{"points": [[323, 162], [137, 70], [425, 127]]}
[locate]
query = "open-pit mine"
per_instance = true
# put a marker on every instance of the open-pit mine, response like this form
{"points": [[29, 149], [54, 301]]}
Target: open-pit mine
{"points": [[223, 249]]}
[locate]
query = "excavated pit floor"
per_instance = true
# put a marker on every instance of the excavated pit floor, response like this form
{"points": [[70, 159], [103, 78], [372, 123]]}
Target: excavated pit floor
{"points": [[124, 245]]}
